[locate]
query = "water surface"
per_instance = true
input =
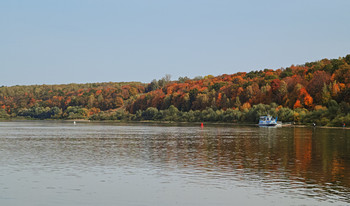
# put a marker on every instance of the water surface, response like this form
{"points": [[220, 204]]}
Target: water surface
{"points": [[58, 163]]}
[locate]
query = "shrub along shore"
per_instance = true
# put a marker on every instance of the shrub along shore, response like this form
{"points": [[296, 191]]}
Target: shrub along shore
{"points": [[334, 115]]}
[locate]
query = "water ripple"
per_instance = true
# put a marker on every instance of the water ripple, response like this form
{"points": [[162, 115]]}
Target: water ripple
{"points": [[172, 164]]}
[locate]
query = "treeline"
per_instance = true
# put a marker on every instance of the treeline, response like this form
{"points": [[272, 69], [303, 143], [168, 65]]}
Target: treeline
{"points": [[314, 92], [306, 86], [313, 87], [66, 101], [334, 115]]}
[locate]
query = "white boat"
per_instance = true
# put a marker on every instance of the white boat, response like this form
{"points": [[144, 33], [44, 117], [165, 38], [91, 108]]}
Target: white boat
{"points": [[268, 121]]}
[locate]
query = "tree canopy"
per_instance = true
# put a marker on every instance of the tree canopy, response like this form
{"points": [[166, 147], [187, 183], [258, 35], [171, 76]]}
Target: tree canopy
{"points": [[321, 88]]}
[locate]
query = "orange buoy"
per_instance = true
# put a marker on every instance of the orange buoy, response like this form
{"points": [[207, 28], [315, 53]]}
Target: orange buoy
{"points": [[202, 125]]}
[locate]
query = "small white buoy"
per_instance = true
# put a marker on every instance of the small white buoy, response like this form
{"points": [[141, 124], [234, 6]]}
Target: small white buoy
{"points": [[74, 123]]}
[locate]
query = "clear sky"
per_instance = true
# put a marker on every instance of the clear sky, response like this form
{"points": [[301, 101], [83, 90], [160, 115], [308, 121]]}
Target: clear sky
{"points": [[82, 41]]}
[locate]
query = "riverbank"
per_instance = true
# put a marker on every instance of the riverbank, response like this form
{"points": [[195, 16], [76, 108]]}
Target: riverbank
{"points": [[199, 123], [211, 124]]}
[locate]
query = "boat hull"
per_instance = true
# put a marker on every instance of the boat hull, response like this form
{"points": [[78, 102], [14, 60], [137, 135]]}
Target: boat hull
{"points": [[268, 125]]}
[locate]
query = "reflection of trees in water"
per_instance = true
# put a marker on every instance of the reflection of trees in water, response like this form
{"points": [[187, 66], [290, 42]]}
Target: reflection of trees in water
{"points": [[319, 158], [316, 158], [303, 150]]}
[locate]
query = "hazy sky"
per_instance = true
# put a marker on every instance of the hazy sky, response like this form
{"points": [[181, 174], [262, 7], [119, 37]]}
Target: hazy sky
{"points": [[80, 41]]}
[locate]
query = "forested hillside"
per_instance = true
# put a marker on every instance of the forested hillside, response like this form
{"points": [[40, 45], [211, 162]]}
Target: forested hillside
{"points": [[314, 92], [69, 101]]}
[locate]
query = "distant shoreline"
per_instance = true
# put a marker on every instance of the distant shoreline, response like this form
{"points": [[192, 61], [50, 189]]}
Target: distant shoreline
{"points": [[169, 123]]}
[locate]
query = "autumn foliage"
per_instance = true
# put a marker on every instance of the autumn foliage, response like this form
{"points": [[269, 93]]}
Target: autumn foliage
{"points": [[309, 86], [293, 87], [92, 98]]}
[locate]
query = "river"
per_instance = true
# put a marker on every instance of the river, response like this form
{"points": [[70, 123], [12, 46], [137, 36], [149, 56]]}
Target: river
{"points": [[59, 163]]}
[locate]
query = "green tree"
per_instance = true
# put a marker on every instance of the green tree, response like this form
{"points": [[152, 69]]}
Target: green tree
{"points": [[326, 95], [150, 113]]}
